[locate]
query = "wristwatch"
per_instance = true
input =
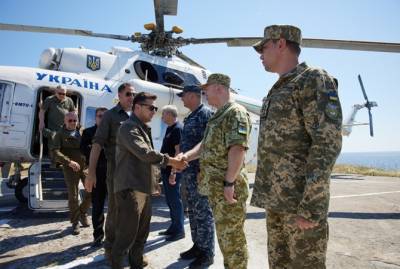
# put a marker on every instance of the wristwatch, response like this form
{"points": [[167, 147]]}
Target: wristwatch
{"points": [[228, 184]]}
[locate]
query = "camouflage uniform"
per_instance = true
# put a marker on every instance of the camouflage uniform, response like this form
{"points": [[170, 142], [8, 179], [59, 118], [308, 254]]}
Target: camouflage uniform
{"points": [[55, 111], [200, 214], [105, 136], [299, 141], [229, 126], [66, 148]]}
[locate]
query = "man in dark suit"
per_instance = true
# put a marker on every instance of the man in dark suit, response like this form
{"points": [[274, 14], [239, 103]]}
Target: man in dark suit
{"points": [[99, 192]]}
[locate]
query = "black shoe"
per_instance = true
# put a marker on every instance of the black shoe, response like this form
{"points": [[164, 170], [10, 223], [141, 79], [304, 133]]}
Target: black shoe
{"points": [[75, 229], [201, 262], [166, 232], [175, 237], [192, 253], [97, 242], [83, 220]]}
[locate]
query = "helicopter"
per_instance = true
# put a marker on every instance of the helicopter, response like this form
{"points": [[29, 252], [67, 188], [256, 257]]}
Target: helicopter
{"points": [[92, 77]]}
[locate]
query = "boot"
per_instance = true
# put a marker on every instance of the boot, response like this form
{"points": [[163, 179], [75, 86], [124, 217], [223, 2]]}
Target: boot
{"points": [[192, 253], [83, 220], [202, 261], [75, 229]]}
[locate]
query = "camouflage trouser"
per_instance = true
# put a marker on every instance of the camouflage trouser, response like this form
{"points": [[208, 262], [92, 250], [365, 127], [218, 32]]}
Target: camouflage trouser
{"points": [[109, 228], [229, 223], [291, 248], [72, 181], [200, 215]]}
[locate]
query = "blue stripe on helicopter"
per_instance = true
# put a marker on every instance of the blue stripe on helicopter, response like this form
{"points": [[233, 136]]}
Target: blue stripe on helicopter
{"points": [[82, 83]]}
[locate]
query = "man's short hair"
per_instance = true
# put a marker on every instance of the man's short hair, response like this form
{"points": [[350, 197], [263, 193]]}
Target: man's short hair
{"points": [[101, 108], [71, 113], [122, 87], [60, 87], [173, 110], [142, 97], [293, 47]]}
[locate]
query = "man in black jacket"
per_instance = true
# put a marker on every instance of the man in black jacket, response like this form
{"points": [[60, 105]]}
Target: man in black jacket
{"points": [[99, 192]]}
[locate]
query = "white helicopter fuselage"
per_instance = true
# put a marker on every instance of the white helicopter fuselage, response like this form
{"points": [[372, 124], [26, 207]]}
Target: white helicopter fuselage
{"points": [[93, 77]]}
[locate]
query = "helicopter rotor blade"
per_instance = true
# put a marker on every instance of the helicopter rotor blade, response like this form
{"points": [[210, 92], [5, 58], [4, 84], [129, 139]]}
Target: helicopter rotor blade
{"points": [[371, 127], [64, 31], [158, 13], [363, 89], [164, 7], [188, 60], [307, 43]]}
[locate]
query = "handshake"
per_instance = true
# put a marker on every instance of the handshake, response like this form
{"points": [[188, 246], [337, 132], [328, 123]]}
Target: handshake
{"points": [[179, 162]]}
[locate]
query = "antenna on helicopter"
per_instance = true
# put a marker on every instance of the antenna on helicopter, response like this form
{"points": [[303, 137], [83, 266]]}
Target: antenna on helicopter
{"points": [[368, 105]]}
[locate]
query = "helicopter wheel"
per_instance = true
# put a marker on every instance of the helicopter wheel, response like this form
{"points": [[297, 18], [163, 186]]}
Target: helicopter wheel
{"points": [[21, 191]]}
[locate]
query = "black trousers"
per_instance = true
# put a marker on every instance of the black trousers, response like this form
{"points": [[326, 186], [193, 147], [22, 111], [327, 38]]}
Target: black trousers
{"points": [[132, 227], [99, 194]]}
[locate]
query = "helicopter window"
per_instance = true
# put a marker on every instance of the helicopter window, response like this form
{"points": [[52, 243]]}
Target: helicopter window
{"points": [[164, 75], [90, 119], [172, 78], [5, 98], [145, 71]]}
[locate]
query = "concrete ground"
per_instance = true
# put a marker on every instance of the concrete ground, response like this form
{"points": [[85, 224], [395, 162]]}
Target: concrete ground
{"points": [[364, 233]]}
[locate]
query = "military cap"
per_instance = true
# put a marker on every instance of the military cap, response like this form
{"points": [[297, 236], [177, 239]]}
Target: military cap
{"points": [[288, 32], [189, 88], [218, 78]]}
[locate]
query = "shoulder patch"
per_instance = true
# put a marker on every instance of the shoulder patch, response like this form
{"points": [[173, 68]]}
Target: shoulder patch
{"points": [[332, 110], [333, 96], [242, 128]]}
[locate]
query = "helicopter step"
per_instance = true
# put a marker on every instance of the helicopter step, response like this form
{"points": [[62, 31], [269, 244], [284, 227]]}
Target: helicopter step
{"points": [[47, 188]]}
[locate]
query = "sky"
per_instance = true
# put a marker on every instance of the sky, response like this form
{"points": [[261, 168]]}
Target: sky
{"points": [[367, 20]]}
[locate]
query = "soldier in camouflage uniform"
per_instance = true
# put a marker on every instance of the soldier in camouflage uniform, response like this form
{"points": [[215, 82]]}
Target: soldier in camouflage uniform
{"points": [[66, 149], [222, 176], [200, 214], [299, 141]]}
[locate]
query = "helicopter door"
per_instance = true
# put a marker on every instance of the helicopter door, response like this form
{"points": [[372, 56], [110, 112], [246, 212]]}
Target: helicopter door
{"points": [[16, 108]]}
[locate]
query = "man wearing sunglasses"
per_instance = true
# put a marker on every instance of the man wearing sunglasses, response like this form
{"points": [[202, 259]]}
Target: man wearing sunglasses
{"points": [[105, 137], [54, 109], [99, 192], [135, 181], [66, 150]]}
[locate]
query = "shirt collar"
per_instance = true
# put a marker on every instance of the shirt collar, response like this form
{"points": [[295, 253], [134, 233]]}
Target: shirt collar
{"points": [[138, 121]]}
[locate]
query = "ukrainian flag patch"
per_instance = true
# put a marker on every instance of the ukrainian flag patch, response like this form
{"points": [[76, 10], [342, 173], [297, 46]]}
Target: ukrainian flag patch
{"points": [[242, 128]]}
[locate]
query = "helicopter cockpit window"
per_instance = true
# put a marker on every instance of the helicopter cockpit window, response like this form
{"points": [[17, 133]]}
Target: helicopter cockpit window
{"points": [[172, 78], [164, 75], [145, 71]]}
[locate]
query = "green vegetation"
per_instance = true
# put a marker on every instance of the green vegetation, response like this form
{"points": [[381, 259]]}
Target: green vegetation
{"points": [[362, 170], [350, 169]]}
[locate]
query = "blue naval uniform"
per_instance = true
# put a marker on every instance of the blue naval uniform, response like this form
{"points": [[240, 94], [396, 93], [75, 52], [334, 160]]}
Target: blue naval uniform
{"points": [[200, 214]]}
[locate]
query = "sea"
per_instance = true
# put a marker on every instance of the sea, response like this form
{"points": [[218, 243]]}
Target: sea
{"points": [[387, 160]]}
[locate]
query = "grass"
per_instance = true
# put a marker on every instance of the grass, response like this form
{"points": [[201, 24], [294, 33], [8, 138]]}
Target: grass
{"points": [[362, 170], [351, 169]]}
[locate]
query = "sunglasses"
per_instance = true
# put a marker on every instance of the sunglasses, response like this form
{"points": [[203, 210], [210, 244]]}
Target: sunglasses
{"points": [[129, 94], [61, 93], [99, 116], [151, 107], [72, 121]]}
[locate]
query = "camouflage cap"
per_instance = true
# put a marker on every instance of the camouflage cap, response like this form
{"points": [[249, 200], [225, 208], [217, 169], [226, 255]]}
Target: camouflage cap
{"points": [[288, 32], [218, 78]]}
